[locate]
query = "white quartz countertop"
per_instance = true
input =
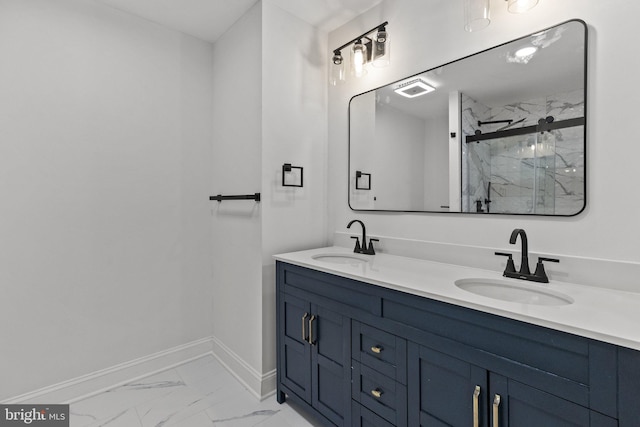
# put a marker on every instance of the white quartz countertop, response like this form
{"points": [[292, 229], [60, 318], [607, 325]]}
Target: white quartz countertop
{"points": [[603, 314]]}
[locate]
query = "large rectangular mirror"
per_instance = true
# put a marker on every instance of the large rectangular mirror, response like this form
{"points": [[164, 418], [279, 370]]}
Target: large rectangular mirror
{"points": [[502, 131]]}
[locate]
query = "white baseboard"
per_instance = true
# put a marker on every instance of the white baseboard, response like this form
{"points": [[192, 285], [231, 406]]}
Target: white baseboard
{"points": [[260, 385], [76, 389], [97, 382]]}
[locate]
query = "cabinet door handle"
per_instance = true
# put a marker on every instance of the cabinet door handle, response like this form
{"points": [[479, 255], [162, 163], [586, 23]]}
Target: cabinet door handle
{"points": [[377, 393], [311, 319], [377, 349], [304, 326], [496, 412], [476, 395]]}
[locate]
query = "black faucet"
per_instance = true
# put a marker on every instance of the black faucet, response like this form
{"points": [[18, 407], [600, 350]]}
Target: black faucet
{"points": [[363, 249], [524, 254], [540, 274]]}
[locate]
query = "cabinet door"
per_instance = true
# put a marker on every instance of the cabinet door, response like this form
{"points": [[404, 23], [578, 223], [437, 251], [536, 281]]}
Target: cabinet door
{"points": [[295, 352], [330, 364], [445, 391], [522, 406]]}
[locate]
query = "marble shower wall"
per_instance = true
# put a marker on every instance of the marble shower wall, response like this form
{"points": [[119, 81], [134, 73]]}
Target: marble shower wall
{"points": [[476, 157], [549, 165]]}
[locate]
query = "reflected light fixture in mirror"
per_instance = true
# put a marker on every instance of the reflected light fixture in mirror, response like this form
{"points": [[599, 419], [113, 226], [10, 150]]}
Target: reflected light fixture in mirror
{"points": [[520, 6], [476, 15], [526, 51]]}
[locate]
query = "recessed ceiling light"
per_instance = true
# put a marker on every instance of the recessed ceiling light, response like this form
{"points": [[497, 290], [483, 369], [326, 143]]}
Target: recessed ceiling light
{"points": [[413, 88]]}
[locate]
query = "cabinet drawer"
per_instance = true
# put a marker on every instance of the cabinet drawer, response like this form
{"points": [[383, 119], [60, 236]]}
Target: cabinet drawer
{"points": [[384, 352], [362, 417], [343, 293], [379, 393]]}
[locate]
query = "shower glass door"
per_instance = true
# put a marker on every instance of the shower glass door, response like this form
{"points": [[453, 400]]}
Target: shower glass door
{"points": [[535, 173]]}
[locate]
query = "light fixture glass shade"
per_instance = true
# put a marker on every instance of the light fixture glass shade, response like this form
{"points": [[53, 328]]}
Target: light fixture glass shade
{"points": [[521, 6], [381, 49], [358, 59], [337, 74], [476, 14]]}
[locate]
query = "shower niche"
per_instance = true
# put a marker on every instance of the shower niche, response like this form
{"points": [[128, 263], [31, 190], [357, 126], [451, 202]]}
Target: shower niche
{"points": [[502, 131]]}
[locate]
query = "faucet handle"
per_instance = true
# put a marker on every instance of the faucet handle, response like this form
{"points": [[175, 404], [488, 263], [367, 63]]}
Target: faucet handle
{"points": [[371, 250], [357, 249], [511, 268], [540, 273]]}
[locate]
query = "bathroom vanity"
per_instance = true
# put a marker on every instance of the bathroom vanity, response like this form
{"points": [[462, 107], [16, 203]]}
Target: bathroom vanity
{"points": [[392, 341]]}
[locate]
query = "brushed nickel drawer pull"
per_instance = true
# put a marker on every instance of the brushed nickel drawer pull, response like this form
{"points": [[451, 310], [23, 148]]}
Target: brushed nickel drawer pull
{"points": [[304, 326], [476, 395], [377, 349], [377, 393], [496, 407], [311, 319]]}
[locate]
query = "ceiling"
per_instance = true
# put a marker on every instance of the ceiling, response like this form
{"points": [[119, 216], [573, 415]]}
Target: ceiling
{"points": [[209, 19]]}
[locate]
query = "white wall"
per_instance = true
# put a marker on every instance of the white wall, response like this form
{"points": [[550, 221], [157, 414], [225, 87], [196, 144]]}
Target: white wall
{"points": [[294, 130], [436, 161], [362, 132], [397, 168], [104, 173], [608, 228], [269, 109], [236, 225]]}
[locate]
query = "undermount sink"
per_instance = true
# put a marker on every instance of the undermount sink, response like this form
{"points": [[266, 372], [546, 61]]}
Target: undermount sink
{"points": [[340, 259], [525, 293]]}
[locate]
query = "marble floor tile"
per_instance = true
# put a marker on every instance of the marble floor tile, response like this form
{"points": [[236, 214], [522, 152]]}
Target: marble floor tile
{"points": [[201, 393], [201, 419], [242, 410], [109, 404]]}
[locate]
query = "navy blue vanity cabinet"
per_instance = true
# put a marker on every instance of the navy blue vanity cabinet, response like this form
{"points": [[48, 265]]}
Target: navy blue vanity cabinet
{"points": [[629, 387], [314, 354], [362, 417], [518, 405], [500, 372], [379, 373], [446, 391], [395, 359], [294, 348], [452, 392], [315, 364]]}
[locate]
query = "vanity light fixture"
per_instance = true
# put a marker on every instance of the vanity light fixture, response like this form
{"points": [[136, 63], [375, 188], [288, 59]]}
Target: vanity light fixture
{"points": [[366, 48], [358, 59], [520, 6], [381, 55], [476, 15], [414, 87], [338, 73]]}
